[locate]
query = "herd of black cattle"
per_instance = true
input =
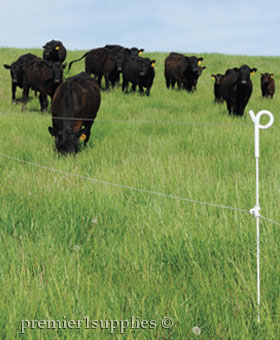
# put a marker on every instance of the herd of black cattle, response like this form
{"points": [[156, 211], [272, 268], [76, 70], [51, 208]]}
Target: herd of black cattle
{"points": [[75, 102]]}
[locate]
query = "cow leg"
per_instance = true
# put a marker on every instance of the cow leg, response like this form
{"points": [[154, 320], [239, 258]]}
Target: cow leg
{"points": [[125, 85], [134, 87], [14, 86], [148, 91], [107, 83], [24, 97], [167, 80], [99, 80], [173, 82], [43, 101], [141, 90], [229, 107]]}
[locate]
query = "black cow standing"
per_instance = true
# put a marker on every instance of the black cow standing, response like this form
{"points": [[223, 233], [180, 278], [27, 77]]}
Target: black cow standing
{"points": [[100, 62], [54, 50], [236, 88], [119, 53], [267, 85], [196, 76], [17, 70], [74, 109], [139, 71], [217, 87], [42, 76], [181, 70]]}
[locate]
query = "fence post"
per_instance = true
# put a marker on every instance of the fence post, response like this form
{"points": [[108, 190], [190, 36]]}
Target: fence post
{"points": [[256, 210]]}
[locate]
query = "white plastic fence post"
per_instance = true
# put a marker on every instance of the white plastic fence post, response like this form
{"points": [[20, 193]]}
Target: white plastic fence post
{"points": [[256, 210]]}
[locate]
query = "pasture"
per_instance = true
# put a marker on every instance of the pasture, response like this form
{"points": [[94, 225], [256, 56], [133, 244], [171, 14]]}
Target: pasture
{"points": [[72, 248]]}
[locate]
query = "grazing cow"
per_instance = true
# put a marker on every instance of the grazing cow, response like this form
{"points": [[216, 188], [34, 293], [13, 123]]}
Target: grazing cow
{"points": [[236, 88], [181, 69], [267, 85], [77, 100], [217, 88], [54, 51], [17, 72], [43, 76], [139, 71], [197, 75], [99, 62]]}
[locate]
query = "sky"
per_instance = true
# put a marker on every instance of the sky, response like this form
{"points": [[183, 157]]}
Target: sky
{"points": [[242, 27]]}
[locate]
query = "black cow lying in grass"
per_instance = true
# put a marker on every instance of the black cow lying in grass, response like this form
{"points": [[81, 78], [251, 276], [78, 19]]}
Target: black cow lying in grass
{"points": [[17, 71], [74, 109], [236, 88]]}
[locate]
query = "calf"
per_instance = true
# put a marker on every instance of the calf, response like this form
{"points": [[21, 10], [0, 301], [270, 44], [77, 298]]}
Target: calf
{"points": [[181, 69], [54, 50], [217, 88], [139, 71], [43, 76], [74, 109], [196, 76], [267, 85], [236, 88], [17, 72], [99, 62]]}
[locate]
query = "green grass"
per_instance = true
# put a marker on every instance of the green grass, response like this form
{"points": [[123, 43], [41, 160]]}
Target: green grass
{"points": [[71, 248]]}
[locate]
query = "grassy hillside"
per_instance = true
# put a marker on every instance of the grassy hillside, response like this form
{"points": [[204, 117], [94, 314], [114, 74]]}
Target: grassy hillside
{"points": [[72, 248]]}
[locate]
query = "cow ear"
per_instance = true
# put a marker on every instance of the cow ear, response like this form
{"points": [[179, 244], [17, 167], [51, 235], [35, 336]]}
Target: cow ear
{"points": [[153, 63], [253, 71], [203, 67], [261, 74], [54, 132], [213, 76], [81, 134], [271, 75], [199, 60], [7, 66], [141, 51], [64, 65]]}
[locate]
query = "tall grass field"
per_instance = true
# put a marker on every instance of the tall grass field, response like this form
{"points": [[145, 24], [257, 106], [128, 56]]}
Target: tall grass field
{"points": [[84, 259]]}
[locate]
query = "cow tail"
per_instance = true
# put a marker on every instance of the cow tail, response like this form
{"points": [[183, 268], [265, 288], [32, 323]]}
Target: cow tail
{"points": [[73, 61]]}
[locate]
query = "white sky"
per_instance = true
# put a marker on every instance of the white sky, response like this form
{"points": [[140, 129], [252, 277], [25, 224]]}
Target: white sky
{"points": [[223, 26]]}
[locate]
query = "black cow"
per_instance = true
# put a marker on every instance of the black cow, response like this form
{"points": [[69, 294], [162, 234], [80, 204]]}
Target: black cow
{"points": [[118, 48], [43, 76], [119, 53], [17, 71], [99, 62], [54, 50], [74, 109], [196, 76], [267, 85], [181, 69], [139, 71], [217, 87], [236, 88]]}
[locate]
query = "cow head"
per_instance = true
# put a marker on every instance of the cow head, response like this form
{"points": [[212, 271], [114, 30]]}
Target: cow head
{"points": [[57, 68], [146, 66], [135, 51], [194, 62], [244, 74], [14, 70], [266, 77], [51, 50], [67, 141], [200, 69], [218, 78]]}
